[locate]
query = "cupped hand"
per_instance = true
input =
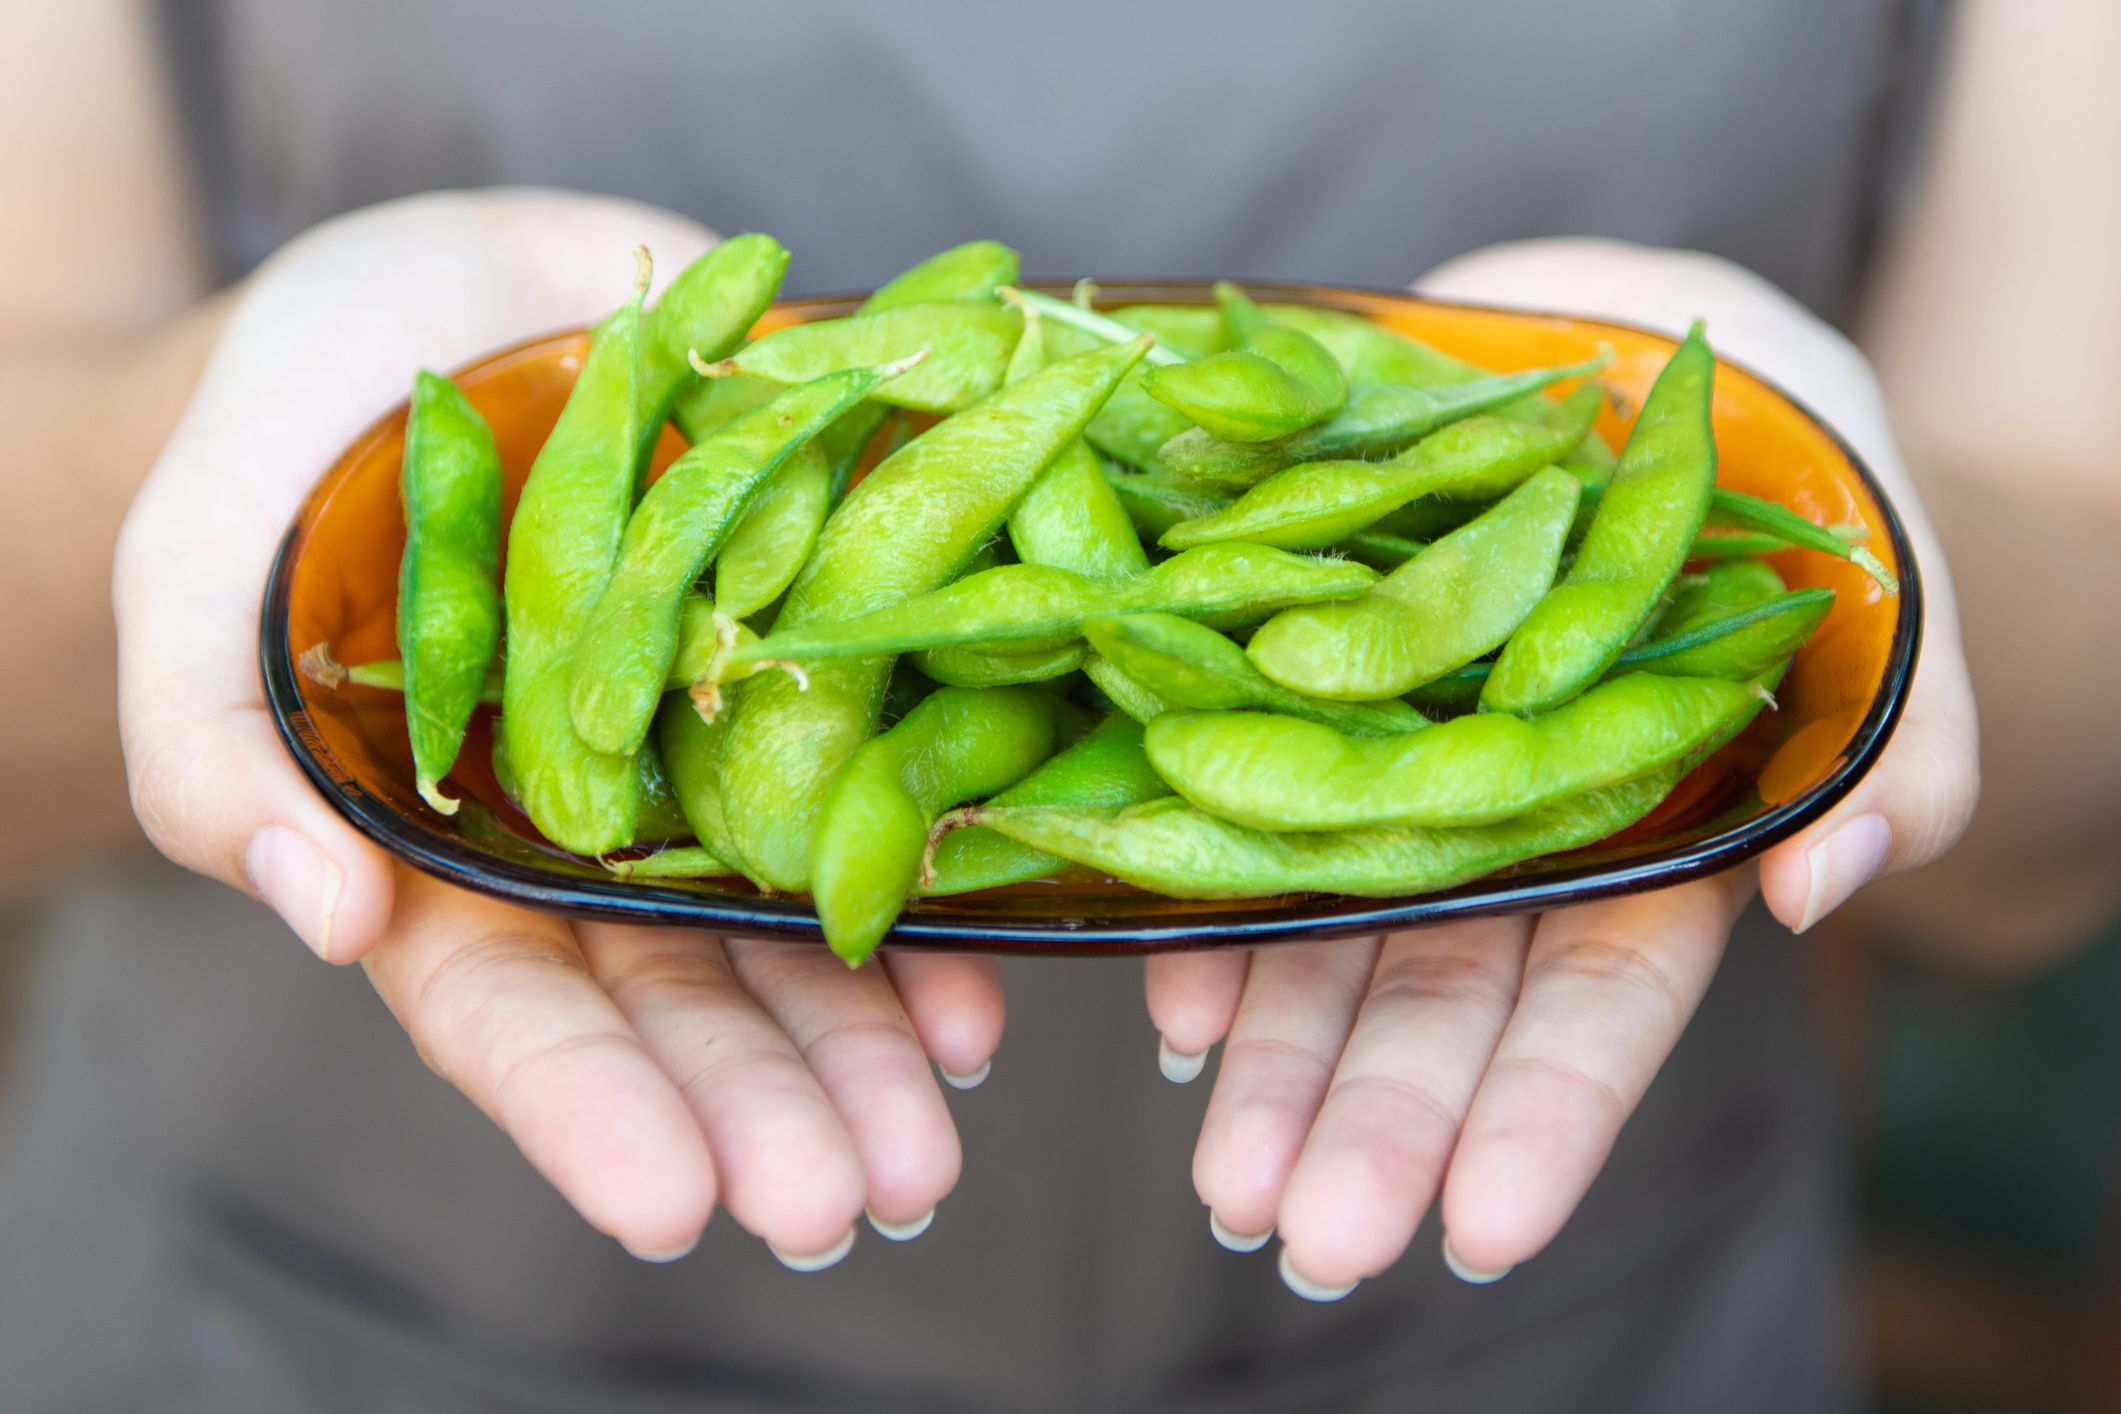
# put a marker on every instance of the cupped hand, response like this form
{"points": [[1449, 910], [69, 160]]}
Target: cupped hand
{"points": [[649, 1074], [1490, 1065]]}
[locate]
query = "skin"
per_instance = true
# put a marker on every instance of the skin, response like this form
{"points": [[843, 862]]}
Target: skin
{"points": [[1485, 1069], [449, 604]]}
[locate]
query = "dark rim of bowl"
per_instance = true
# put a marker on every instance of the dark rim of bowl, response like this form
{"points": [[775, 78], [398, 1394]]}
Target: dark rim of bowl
{"points": [[1308, 916]]}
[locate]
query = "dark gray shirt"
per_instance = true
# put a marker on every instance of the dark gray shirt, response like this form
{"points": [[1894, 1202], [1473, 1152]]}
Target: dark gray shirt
{"points": [[227, 1183]]}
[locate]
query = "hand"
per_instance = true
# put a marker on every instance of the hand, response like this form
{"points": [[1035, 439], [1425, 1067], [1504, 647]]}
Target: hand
{"points": [[648, 1074], [1494, 1062]]}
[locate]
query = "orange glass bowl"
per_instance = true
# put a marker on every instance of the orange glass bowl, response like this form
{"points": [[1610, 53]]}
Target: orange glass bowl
{"points": [[335, 582]]}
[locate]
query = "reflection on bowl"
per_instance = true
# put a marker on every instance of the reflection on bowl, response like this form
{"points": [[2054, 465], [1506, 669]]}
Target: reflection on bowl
{"points": [[335, 582]]}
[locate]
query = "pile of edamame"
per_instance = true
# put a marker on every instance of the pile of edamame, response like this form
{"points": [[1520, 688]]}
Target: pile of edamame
{"points": [[1221, 602]]}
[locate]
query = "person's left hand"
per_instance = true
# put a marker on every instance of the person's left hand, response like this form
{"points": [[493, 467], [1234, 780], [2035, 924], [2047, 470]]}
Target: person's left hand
{"points": [[1495, 1061]]}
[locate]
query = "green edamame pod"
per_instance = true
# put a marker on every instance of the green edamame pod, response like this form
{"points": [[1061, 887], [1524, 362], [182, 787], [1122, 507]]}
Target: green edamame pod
{"points": [[707, 311], [967, 344], [660, 817], [1127, 696], [1451, 603], [1742, 644], [691, 749], [449, 607], [872, 829], [630, 636], [1107, 768], [1279, 773], [1371, 353], [1071, 518], [766, 550], [1725, 587], [1317, 504], [1378, 418], [1275, 382], [1191, 666], [1646, 520], [682, 862], [1173, 849], [1223, 585], [1131, 425], [906, 529], [967, 666], [971, 271], [561, 547]]}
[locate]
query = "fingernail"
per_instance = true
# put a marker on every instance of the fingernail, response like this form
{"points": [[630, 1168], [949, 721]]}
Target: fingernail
{"points": [[1844, 862], [297, 881], [815, 1261], [1474, 1275], [659, 1258], [971, 1078], [1236, 1241], [1308, 1289], [1179, 1067], [901, 1232]]}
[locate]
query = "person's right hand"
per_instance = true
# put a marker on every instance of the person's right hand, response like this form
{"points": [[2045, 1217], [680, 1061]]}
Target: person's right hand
{"points": [[647, 1073]]}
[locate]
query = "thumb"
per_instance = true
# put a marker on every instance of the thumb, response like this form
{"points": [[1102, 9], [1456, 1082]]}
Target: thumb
{"points": [[430, 281]]}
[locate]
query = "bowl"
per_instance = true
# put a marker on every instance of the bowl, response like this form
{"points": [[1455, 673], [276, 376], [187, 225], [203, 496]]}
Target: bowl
{"points": [[334, 581]]}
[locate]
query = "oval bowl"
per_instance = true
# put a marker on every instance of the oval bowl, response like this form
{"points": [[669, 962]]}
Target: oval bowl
{"points": [[334, 581]]}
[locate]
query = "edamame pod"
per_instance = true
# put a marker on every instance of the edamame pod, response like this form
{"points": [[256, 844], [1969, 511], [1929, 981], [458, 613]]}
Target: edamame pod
{"points": [[1107, 768], [1127, 696], [707, 310], [872, 829], [1454, 601], [1646, 520], [902, 531], [1071, 518], [1191, 666], [1378, 418], [967, 344], [449, 605], [1317, 504], [971, 666], [681, 862], [1277, 381], [1174, 849], [1223, 585], [659, 818], [1278, 773], [766, 550], [561, 547], [1742, 644], [691, 749], [629, 638]]}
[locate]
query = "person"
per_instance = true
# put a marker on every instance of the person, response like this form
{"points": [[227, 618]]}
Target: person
{"points": [[222, 1160]]}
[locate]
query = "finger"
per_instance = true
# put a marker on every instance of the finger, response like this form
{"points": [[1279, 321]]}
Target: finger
{"points": [[858, 1042], [788, 1168], [955, 1005], [429, 281], [499, 1002], [1192, 1001], [1373, 1161], [1608, 987], [1912, 806], [1299, 1002]]}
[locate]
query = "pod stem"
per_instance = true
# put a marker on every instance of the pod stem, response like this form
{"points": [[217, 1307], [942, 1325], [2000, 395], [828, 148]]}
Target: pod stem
{"points": [[317, 664], [1087, 321], [946, 823], [721, 368]]}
